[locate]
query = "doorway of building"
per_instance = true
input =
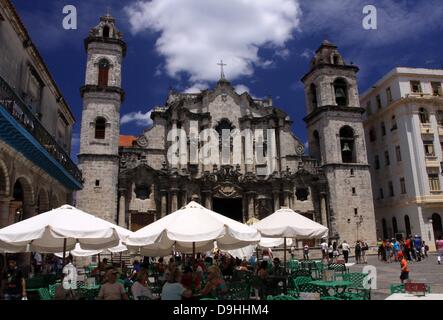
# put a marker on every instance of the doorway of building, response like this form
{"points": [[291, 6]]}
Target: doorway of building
{"points": [[231, 208], [437, 225]]}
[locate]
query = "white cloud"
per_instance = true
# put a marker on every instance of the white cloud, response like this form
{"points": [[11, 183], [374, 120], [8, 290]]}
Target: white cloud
{"points": [[307, 54], [197, 88], [196, 34], [241, 88], [139, 118]]}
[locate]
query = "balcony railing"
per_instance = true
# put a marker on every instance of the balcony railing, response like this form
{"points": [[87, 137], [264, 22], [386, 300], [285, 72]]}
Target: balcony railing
{"points": [[23, 115]]}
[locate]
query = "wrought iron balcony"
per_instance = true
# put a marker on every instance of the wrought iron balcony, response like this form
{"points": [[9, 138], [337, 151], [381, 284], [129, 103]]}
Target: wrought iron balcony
{"points": [[14, 105]]}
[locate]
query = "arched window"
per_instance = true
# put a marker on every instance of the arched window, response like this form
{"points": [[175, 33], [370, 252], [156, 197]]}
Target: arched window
{"points": [[408, 226], [424, 115], [106, 31], [313, 92], [315, 148], [347, 144], [336, 59], [395, 225], [341, 92], [103, 73], [100, 128], [385, 229], [302, 194]]}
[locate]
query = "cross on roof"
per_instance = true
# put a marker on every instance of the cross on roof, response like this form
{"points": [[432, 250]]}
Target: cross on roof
{"points": [[222, 72]]}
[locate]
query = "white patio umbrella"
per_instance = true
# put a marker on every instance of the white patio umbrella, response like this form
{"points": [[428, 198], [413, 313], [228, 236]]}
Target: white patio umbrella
{"points": [[190, 229], [59, 230], [79, 252], [286, 223]]}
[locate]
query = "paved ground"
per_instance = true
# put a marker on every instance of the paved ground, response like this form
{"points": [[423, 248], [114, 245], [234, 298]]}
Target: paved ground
{"points": [[427, 271]]}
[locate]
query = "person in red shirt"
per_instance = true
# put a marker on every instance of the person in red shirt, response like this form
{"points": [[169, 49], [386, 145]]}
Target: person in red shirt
{"points": [[408, 249], [404, 276]]}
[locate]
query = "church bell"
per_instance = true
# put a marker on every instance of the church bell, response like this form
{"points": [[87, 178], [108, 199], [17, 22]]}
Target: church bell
{"points": [[346, 148]]}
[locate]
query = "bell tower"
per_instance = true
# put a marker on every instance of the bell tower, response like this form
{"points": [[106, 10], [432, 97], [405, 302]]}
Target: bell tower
{"points": [[100, 129], [337, 141]]}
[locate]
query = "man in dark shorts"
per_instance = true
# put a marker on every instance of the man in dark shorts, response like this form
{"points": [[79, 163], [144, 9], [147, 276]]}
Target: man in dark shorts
{"points": [[13, 282], [404, 276]]}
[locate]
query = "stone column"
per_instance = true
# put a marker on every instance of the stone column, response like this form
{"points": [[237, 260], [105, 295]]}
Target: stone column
{"points": [[287, 195], [276, 200], [324, 215], [208, 200], [122, 209], [164, 203], [174, 200], [251, 205], [4, 211]]}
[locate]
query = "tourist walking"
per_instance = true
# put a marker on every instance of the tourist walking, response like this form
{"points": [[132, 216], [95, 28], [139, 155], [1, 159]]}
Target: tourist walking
{"points": [[439, 246], [70, 272], [395, 248], [364, 249], [330, 252], [324, 250], [404, 276], [358, 252], [306, 251], [345, 249]]}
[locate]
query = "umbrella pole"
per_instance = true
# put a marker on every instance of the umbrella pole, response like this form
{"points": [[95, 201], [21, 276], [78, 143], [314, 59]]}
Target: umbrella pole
{"points": [[285, 272], [285, 255], [193, 252], [64, 252]]}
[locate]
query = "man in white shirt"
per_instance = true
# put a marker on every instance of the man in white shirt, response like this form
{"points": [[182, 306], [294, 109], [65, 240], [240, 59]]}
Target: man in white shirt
{"points": [[324, 249], [70, 272]]}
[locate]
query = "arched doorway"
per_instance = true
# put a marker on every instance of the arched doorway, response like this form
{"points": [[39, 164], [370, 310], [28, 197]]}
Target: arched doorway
{"points": [[394, 225], [42, 201], [22, 201], [408, 226], [437, 226], [4, 180], [54, 202], [385, 229]]}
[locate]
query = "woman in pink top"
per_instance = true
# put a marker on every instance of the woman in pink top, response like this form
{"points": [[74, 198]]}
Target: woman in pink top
{"points": [[439, 246]]}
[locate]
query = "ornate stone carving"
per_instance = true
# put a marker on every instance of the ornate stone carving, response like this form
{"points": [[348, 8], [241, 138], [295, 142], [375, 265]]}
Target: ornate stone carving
{"points": [[142, 141]]}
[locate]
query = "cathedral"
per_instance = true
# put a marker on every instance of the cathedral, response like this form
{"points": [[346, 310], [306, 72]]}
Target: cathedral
{"points": [[133, 181]]}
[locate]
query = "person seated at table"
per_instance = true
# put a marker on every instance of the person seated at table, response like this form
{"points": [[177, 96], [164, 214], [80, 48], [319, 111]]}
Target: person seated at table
{"points": [[243, 266], [277, 269], [61, 293], [216, 286], [191, 280], [111, 289], [261, 279], [140, 288], [173, 289]]}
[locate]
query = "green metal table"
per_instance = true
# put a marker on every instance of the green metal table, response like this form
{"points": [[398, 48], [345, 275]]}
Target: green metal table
{"points": [[335, 287]]}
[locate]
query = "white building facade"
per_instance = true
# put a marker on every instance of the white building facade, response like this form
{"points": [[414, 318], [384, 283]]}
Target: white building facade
{"points": [[404, 135]]}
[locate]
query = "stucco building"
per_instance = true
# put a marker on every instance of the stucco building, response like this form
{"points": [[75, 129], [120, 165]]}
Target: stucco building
{"points": [[404, 133]]}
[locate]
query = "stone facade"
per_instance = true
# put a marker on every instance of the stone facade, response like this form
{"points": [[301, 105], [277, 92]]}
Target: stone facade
{"points": [[337, 141], [404, 123], [151, 184], [99, 138], [31, 104]]}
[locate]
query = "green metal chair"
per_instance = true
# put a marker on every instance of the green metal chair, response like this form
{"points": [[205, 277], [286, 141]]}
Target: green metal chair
{"points": [[360, 288], [44, 294], [397, 288], [298, 285], [239, 291], [52, 288]]}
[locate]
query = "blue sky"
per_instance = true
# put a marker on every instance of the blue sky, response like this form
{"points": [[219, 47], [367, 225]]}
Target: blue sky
{"points": [[267, 45]]}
